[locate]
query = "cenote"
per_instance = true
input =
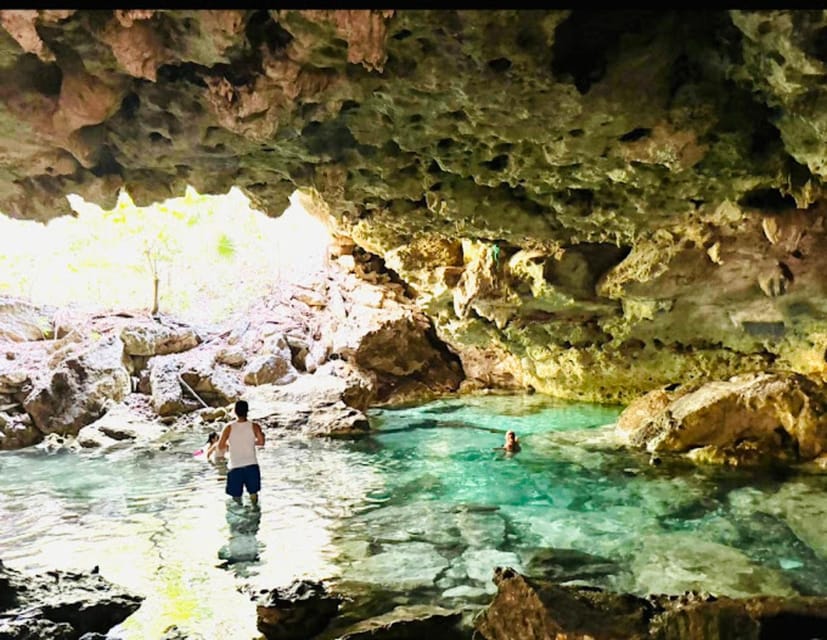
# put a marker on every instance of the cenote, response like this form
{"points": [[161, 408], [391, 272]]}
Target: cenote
{"points": [[420, 511]]}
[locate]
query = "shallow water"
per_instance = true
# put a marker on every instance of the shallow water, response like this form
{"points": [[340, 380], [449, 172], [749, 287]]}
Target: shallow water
{"points": [[424, 509]]}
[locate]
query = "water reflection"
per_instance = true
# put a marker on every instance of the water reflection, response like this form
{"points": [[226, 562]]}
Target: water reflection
{"points": [[425, 505], [243, 546]]}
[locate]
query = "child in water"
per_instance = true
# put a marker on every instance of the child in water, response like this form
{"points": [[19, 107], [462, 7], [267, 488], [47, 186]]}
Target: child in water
{"points": [[512, 443], [214, 454]]}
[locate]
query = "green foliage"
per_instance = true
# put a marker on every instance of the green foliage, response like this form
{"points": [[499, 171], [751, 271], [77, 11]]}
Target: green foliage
{"points": [[225, 247]]}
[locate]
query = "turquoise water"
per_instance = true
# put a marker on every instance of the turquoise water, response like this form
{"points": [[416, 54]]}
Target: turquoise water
{"points": [[421, 511]]}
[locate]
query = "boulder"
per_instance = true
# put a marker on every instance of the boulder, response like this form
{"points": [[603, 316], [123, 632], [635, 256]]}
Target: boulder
{"points": [[532, 608], [60, 604], [18, 431], [21, 321], [314, 404], [748, 419], [165, 387], [297, 612], [269, 369], [78, 390], [121, 423], [152, 339]]}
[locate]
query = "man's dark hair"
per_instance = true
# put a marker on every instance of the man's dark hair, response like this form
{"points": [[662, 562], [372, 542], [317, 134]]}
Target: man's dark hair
{"points": [[241, 408]]}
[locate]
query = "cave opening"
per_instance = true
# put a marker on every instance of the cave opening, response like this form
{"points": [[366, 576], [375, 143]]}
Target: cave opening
{"points": [[199, 257]]}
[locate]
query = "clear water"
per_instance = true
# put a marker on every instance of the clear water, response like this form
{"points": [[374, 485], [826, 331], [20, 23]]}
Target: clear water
{"points": [[422, 511]]}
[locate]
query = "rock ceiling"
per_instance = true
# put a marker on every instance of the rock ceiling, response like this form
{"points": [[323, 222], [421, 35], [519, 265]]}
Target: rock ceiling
{"points": [[586, 203]]}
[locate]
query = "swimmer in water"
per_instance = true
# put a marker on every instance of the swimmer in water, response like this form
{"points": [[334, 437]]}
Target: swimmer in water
{"points": [[512, 443]]}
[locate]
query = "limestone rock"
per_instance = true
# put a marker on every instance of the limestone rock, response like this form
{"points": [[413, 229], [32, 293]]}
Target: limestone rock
{"points": [[157, 339], [21, 321], [310, 405], [165, 385], [120, 423], [269, 369], [77, 392], [18, 431], [748, 418]]}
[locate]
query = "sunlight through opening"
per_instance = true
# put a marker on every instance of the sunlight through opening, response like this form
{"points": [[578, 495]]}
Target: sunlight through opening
{"points": [[200, 257]]}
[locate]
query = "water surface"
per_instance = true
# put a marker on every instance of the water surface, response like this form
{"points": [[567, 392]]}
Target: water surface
{"points": [[422, 510]]}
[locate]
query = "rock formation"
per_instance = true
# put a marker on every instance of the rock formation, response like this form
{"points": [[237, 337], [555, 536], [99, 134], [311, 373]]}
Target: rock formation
{"points": [[529, 608], [311, 358], [588, 203], [746, 420], [60, 604]]}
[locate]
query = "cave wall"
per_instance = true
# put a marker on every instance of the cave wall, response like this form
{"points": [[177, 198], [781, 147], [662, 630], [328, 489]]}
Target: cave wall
{"points": [[587, 203]]}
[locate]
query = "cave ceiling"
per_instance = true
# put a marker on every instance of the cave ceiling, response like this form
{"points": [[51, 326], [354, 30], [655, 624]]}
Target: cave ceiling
{"points": [[652, 178]]}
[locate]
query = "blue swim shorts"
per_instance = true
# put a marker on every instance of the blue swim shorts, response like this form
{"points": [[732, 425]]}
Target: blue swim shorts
{"points": [[241, 477]]}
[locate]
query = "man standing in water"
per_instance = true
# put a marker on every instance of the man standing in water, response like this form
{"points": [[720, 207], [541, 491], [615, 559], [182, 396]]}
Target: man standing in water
{"points": [[240, 439]]}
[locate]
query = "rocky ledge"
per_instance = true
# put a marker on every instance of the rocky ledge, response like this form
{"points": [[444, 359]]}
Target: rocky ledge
{"points": [[60, 605], [755, 419], [531, 608]]}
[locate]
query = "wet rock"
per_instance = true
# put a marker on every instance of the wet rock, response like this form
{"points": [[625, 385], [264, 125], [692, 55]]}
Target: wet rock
{"points": [[408, 623], [214, 414], [297, 612], [527, 608], [60, 604], [173, 632], [530, 608], [405, 565], [121, 423], [54, 443], [77, 392], [18, 431]]}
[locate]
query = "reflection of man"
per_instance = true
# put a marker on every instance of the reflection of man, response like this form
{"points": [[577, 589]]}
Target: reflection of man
{"points": [[243, 545], [240, 439]]}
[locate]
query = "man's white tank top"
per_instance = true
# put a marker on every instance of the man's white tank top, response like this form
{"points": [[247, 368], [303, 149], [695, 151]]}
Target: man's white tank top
{"points": [[242, 445]]}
